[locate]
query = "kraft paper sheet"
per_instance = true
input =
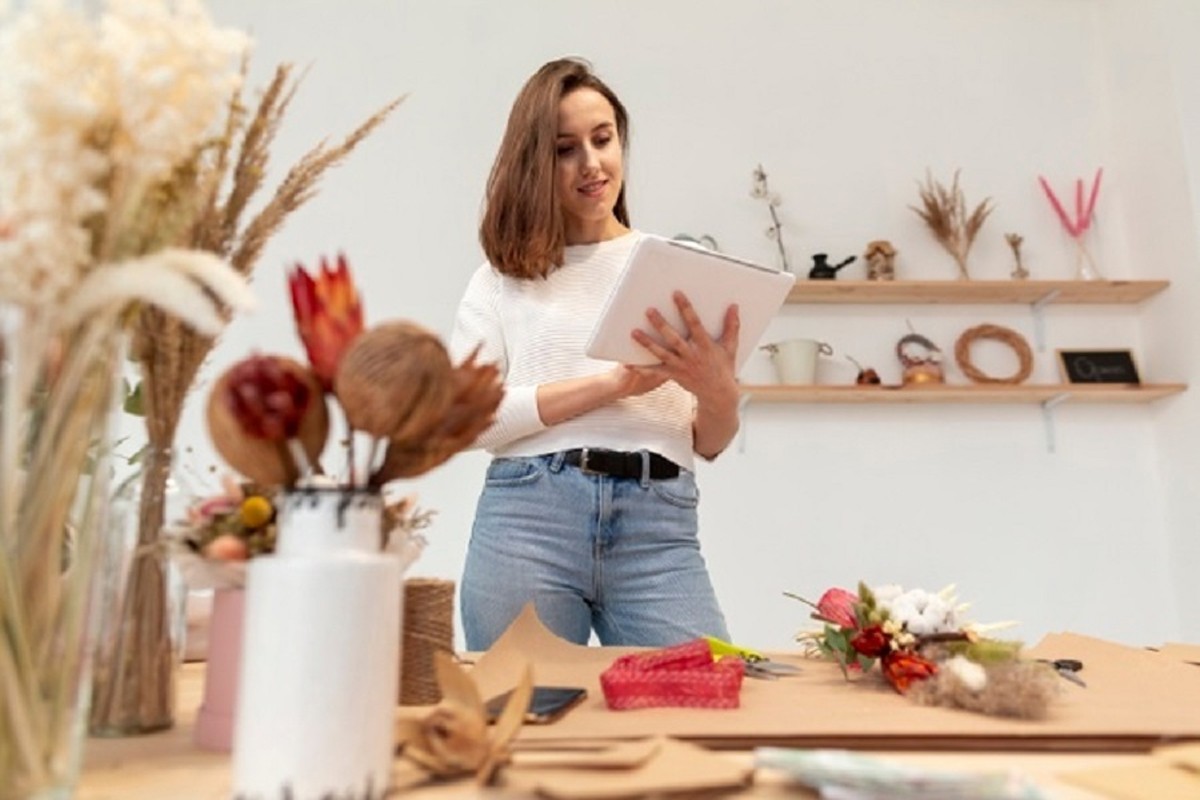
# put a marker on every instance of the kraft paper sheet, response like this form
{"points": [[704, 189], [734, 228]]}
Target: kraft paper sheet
{"points": [[1135, 699], [1173, 772], [665, 765], [1181, 652]]}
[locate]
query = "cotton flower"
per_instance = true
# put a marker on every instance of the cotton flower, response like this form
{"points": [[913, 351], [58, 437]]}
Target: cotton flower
{"points": [[921, 612], [969, 673]]}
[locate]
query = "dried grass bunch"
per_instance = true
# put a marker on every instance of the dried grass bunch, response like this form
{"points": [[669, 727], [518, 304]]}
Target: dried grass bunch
{"points": [[101, 107], [945, 212], [213, 197], [206, 205]]}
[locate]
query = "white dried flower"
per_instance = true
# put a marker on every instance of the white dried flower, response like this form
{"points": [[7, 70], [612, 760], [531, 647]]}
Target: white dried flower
{"points": [[192, 285], [970, 674], [922, 613], [94, 110]]}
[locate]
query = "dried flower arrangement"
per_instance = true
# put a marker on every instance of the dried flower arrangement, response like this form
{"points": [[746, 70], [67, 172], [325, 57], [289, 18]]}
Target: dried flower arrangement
{"points": [[204, 204], [102, 108], [1015, 240], [1078, 225], [927, 652], [394, 382], [220, 533], [945, 212], [761, 190]]}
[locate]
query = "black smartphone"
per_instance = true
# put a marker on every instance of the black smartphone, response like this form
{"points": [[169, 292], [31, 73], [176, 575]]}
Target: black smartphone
{"points": [[547, 704]]}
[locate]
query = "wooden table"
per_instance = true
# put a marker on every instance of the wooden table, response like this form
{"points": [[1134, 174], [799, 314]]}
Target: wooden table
{"points": [[168, 765]]}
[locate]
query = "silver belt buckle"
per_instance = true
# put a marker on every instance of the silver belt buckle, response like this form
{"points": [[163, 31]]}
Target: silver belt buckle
{"points": [[583, 463]]}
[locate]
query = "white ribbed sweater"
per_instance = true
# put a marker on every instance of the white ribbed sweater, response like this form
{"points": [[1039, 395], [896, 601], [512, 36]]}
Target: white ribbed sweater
{"points": [[535, 331]]}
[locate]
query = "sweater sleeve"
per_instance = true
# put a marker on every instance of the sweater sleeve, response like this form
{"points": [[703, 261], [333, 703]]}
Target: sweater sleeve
{"points": [[478, 323]]}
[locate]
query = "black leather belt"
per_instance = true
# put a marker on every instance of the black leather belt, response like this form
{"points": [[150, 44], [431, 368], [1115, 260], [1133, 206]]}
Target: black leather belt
{"points": [[619, 464]]}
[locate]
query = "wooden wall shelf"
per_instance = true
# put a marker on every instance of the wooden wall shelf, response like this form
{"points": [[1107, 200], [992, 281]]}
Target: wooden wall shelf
{"points": [[974, 292], [974, 393]]}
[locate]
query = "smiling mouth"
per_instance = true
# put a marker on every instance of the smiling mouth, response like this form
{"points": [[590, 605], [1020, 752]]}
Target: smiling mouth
{"points": [[594, 189]]}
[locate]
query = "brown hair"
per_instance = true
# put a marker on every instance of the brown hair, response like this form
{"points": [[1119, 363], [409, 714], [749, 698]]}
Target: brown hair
{"points": [[522, 232]]}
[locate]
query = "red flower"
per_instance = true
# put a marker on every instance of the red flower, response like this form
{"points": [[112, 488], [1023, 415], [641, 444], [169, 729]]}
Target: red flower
{"points": [[837, 606], [871, 641], [328, 315], [901, 669]]}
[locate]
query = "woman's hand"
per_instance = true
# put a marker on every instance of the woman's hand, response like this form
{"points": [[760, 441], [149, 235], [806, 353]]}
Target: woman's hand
{"points": [[631, 380], [703, 366], [693, 359]]}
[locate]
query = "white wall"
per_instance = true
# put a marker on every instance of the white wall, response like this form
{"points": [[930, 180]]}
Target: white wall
{"points": [[846, 105]]}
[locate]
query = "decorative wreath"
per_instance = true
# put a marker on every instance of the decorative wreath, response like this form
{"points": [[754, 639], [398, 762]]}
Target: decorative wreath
{"points": [[962, 353]]}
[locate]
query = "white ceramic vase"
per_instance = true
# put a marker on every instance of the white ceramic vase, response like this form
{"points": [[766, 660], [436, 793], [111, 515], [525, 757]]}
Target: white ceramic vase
{"points": [[320, 654]]}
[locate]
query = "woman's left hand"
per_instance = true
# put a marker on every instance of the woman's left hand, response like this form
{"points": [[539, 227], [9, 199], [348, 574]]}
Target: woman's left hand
{"points": [[693, 359]]}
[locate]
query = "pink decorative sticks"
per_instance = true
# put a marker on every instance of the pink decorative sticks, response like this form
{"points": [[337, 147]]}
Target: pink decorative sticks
{"points": [[1076, 227], [1083, 215]]}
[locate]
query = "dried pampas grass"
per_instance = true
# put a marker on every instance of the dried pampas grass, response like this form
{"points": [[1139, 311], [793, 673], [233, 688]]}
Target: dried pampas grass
{"points": [[202, 205], [945, 212], [222, 185]]}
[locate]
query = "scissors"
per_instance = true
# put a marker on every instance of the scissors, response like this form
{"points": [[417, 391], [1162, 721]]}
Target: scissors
{"points": [[1068, 668], [757, 665]]}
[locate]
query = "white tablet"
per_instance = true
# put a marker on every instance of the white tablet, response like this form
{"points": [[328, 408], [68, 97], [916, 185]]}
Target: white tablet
{"points": [[712, 281]]}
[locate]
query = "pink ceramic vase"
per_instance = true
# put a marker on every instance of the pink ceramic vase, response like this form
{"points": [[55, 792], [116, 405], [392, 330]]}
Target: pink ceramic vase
{"points": [[214, 721]]}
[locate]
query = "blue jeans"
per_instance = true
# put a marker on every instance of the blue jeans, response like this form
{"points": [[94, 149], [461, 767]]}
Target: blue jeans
{"points": [[619, 555]]}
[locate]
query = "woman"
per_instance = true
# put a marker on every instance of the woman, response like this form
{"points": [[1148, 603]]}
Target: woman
{"points": [[589, 507]]}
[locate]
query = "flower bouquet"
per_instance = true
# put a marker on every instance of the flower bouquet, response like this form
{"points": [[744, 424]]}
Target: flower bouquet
{"points": [[394, 383], [927, 652], [221, 532], [323, 612]]}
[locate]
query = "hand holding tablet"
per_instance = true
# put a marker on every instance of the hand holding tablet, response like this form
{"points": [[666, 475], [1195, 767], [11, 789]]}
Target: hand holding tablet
{"points": [[712, 282]]}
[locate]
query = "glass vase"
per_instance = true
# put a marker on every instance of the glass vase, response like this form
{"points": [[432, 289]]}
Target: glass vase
{"points": [[139, 642], [1084, 253], [57, 396]]}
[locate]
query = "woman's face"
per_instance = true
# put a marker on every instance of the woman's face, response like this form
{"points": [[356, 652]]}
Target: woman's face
{"points": [[589, 166]]}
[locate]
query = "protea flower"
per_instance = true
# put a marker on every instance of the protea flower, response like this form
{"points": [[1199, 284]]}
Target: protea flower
{"points": [[265, 413], [837, 606], [329, 316]]}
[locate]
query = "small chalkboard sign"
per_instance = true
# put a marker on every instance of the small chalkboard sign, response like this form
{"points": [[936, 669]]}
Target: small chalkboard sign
{"points": [[1098, 366]]}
